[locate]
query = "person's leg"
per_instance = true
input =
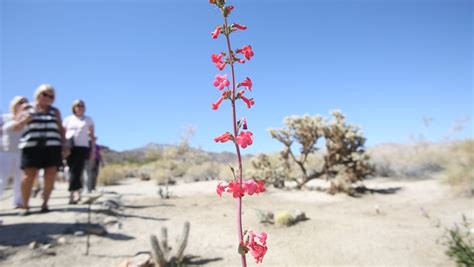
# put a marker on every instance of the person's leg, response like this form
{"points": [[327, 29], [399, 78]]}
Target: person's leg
{"points": [[95, 174], [88, 175], [3, 172], [29, 174], [17, 197], [49, 178], [74, 177]]}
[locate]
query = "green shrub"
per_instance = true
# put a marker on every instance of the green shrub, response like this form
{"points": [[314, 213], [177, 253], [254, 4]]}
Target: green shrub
{"points": [[460, 244], [283, 219]]}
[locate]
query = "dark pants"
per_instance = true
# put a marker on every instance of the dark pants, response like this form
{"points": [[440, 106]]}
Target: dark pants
{"points": [[76, 161]]}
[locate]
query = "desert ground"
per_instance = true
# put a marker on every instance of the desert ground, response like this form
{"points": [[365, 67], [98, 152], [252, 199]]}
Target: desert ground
{"points": [[400, 228]]}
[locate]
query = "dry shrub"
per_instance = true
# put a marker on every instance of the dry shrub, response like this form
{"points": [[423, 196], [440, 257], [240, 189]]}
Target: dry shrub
{"points": [[459, 167], [203, 172], [111, 174]]}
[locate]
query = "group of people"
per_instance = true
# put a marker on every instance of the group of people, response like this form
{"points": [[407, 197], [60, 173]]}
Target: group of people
{"points": [[34, 138]]}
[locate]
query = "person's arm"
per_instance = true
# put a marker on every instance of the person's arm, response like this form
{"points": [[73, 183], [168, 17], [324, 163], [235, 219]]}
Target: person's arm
{"points": [[92, 138], [18, 125], [62, 132]]}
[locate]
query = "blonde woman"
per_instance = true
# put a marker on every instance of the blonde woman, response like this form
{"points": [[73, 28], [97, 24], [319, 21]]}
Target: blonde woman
{"points": [[41, 145], [12, 132], [80, 135]]}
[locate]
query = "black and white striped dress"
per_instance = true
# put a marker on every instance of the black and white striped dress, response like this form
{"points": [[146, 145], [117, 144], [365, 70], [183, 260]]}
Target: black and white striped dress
{"points": [[41, 131]]}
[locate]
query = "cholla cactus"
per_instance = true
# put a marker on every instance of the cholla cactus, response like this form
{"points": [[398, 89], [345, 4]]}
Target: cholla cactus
{"points": [[263, 169], [345, 160]]}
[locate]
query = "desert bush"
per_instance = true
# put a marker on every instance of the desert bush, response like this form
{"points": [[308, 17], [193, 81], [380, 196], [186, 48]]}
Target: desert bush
{"points": [[283, 218], [112, 173], [205, 171], [267, 168], [459, 241], [344, 157], [459, 167]]}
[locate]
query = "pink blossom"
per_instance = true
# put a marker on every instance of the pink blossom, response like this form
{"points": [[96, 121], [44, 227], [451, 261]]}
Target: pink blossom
{"points": [[244, 139], [241, 61], [254, 187], [247, 83], [247, 101], [216, 32], [235, 188], [215, 105], [217, 59], [228, 9], [212, 1], [257, 244], [221, 187], [246, 51], [238, 26], [224, 137], [221, 81]]}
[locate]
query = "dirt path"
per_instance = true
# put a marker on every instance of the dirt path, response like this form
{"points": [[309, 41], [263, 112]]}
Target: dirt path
{"points": [[376, 230]]}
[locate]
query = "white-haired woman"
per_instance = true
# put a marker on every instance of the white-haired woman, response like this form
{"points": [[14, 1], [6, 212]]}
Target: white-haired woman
{"points": [[80, 135], [42, 145], [12, 132]]}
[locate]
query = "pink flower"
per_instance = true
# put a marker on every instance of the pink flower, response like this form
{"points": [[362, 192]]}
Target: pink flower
{"points": [[257, 244], [238, 26], [247, 83], [254, 187], [221, 188], [246, 51], [235, 188], [241, 61], [247, 101], [216, 32], [215, 106], [217, 59], [212, 1], [221, 81], [224, 137], [228, 9], [244, 139]]}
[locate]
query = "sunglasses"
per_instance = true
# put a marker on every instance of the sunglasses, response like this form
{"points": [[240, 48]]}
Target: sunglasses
{"points": [[48, 96], [80, 106], [21, 102]]}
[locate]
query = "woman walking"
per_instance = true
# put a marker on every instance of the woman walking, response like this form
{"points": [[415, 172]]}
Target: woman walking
{"points": [[79, 135], [41, 145]]}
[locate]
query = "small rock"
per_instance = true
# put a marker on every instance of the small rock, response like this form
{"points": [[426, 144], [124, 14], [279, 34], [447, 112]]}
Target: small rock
{"points": [[62, 240], [33, 245], [79, 233], [47, 246], [110, 221], [95, 230], [123, 263], [298, 215]]}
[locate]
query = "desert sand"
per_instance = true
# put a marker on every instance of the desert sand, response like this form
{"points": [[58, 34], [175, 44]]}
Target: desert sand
{"points": [[396, 229]]}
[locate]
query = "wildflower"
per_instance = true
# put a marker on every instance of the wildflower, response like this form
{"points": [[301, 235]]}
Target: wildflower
{"points": [[235, 188], [215, 106], [244, 123], [216, 32], [239, 26], [247, 83], [221, 188], [217, 59], [224, 137], [221, 81], [246, 51], [247, 101], [244, 139], [257, 244]]}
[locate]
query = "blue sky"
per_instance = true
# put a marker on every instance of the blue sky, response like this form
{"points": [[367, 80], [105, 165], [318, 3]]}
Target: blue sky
{"points": [[143, 67]]}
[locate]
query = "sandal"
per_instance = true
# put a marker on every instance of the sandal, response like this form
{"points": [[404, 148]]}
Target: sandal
{"points": [[24, 213], [45, 210]]}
